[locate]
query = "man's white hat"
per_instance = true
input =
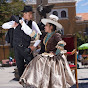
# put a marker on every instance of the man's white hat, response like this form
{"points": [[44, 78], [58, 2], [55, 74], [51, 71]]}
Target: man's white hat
{"points": [[53, 19]]}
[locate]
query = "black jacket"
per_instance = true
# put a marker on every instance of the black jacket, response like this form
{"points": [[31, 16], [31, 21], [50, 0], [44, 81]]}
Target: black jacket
{"points": [[17, 36], [9, 37]]}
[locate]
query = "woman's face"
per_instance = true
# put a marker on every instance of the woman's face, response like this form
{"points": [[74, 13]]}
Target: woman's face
{"points": [[48, 28]]}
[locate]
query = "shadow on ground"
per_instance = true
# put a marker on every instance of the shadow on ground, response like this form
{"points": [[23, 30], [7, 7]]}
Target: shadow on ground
{"points": [[83, 79], [81, 85]]}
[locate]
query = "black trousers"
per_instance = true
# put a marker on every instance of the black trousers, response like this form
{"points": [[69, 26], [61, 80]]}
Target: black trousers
{"points": [[21, 57]]}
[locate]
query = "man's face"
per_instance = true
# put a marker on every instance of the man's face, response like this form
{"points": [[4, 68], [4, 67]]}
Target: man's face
{"points": [[28, 15]]}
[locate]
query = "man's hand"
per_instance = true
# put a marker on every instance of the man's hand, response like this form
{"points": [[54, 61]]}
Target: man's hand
{"points": [[32, 48], [38, 47], [15, 25], [21, 22]]}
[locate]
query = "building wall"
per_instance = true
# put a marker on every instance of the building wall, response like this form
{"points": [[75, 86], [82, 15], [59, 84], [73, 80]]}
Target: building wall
{"points": [[69, 22], [60, 1], [4, 51], [81, 26]]}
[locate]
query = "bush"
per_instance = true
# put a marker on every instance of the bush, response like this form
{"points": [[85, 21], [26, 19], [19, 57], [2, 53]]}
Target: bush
{"points": [[81, 38]]}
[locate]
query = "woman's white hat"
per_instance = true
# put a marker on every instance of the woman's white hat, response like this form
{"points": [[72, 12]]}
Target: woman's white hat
{"points": [[52, 19]]}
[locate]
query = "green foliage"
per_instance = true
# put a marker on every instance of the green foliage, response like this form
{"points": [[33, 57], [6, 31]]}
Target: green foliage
{"points": [[1, 35], [8, 9], [11, 54], [81, 38]]}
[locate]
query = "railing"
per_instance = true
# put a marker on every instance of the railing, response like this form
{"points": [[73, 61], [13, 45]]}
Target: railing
{"points": [[60, 1], [49, 1]]}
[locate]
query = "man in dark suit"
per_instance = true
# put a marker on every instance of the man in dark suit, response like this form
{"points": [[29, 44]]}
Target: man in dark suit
{"points": [[21, 38]]}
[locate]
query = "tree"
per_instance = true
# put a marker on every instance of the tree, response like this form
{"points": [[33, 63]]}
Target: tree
{"points": [[8, 9], [81, 38]]}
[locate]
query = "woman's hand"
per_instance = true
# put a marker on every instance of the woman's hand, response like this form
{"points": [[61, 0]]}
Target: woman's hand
{"points": [[52, 53], [32, 48]]}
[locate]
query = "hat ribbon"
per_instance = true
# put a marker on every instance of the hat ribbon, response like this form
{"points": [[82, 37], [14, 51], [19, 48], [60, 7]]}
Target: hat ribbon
{"points": [[53, 19]]}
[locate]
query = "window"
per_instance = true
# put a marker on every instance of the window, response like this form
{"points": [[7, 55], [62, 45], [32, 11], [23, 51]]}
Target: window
{"points": [[63, 14], [55, 13]]}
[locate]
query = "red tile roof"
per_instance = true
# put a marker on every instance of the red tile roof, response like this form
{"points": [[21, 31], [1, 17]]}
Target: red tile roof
{"points": [[84, 16]]}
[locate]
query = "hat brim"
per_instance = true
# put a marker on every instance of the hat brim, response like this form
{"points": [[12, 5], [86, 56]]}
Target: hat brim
{"points": [[27, 11], [45, 21]]}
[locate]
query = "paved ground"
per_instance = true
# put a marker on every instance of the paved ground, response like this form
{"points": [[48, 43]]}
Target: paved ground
{"points": [[7, 76], [82, 76]]}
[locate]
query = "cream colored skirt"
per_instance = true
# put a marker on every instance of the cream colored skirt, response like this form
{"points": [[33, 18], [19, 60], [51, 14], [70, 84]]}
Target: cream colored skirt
{"points": [[48, 72]]}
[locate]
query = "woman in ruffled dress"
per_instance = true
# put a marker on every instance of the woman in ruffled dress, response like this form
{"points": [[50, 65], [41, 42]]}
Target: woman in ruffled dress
{"points": [[49, 69]]}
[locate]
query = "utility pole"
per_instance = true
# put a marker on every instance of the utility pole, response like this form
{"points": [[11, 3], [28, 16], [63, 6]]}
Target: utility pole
{"points": [[39, 2]]}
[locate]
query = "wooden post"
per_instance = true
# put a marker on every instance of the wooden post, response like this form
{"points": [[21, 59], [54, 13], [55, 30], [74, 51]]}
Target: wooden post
{"points": [[75, 42]]}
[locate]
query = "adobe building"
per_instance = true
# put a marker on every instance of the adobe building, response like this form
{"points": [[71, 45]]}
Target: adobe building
{"points": [[82, 22], [66, 11]]}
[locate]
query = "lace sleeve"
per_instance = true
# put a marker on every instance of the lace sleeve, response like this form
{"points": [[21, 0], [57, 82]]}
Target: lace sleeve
{"points": [[60, 46]]}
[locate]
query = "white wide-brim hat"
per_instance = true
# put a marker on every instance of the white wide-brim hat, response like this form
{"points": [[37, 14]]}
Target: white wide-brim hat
{"points": [[53, 19]]}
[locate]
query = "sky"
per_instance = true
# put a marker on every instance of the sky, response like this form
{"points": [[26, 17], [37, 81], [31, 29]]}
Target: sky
{"points": [[82, 6]]}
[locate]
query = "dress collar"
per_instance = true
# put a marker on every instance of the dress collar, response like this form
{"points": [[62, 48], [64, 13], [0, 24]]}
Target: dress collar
{"points": [[50, 33]]}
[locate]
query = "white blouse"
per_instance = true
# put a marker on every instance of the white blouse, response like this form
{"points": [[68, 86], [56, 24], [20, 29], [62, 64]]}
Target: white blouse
{"points": [[27, 30]]}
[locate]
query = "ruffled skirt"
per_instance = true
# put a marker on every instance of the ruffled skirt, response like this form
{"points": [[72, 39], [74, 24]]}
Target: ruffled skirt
{"points": [[48, 72]]}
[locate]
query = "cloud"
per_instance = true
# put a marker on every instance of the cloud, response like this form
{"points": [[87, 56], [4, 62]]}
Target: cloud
{"points": [[85, 4]]}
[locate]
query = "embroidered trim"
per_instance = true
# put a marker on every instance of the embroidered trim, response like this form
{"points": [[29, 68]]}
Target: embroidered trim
{"points": [[35, 35], [47, 54], [32, 34], [60, 47], [61, 42]]}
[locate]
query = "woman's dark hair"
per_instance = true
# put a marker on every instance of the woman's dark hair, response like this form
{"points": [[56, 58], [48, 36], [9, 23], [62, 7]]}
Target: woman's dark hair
{"points": [[54, 27]]}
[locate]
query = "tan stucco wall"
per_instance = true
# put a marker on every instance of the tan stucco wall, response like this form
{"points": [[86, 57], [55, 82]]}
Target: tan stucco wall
{"points": [[69, 23]]}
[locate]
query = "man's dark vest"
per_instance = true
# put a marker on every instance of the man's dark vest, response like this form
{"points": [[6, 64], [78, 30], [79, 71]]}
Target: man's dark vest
{"points": [[20, 38]]}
